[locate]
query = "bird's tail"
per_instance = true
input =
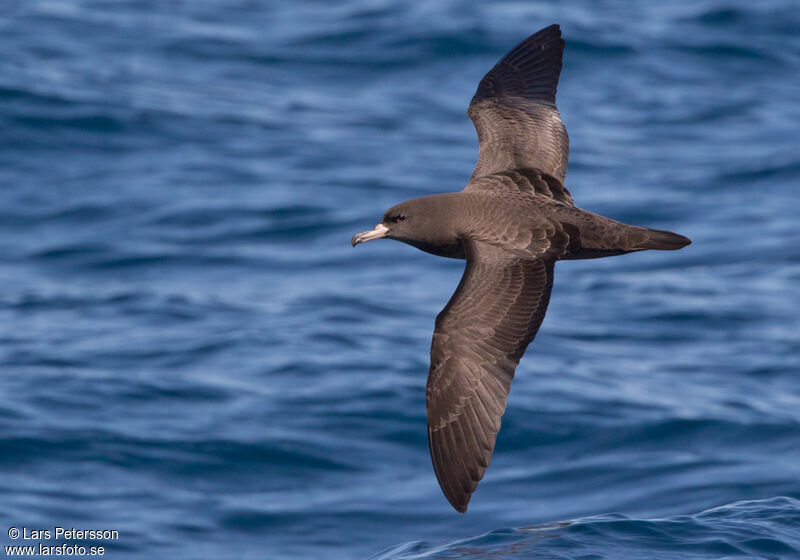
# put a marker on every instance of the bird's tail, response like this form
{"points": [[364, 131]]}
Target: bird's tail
{"points": [[663, 240]]}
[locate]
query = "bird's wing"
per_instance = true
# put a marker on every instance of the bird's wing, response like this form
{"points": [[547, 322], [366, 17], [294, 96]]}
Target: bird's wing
{"points": [[514, 110], [480, 336], [528, 180]]}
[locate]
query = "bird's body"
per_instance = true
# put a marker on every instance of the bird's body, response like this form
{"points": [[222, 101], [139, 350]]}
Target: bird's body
{"points": [[527, 225], [512, 222]]}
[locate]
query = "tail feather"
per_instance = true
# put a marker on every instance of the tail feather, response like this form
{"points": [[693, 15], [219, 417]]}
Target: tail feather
{"points": [[664, 240]]}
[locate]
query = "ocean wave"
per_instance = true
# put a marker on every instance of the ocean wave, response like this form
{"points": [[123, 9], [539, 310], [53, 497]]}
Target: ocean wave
{"points": [[768, 528]]}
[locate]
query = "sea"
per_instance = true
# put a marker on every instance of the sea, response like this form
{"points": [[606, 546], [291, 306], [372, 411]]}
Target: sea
{"points": [[193, 355]]}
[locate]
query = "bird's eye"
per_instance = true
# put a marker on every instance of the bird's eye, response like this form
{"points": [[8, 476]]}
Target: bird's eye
{"points": [[400, 217]]}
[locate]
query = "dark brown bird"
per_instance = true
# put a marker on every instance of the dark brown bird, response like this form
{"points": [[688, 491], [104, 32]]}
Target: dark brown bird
{"points": [[512, 222]]}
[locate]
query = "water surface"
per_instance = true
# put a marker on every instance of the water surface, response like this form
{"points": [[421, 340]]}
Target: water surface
{"points": [[192, 353]]}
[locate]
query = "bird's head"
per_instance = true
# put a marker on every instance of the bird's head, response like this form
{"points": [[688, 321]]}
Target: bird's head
{"points": [[398, 223], [429, 223]]}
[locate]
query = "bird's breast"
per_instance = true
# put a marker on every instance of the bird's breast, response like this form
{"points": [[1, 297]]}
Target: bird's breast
{"points": [[451, 249]]}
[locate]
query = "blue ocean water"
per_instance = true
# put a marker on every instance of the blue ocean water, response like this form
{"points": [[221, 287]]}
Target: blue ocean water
{"points": [[192, 354]]}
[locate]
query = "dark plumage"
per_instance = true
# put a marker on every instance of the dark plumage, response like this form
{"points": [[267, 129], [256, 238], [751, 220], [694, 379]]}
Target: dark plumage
{"points": [[512, 222]]}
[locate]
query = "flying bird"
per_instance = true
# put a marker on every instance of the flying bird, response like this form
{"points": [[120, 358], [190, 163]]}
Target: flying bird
{"points": [[512, 222]]}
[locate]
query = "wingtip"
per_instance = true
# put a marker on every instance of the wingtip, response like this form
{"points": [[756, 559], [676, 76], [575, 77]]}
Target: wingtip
{"points": [[529, 70], [553, 29], [460, 507], [547, 36]]}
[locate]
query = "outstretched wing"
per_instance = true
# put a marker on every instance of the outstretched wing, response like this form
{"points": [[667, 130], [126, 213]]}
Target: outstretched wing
{"points": [[514, 110], [480, 336]]}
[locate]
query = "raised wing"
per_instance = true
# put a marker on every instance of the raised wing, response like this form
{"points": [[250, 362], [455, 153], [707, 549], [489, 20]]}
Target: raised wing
{"points": [[479, 338], [514, 110]]}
